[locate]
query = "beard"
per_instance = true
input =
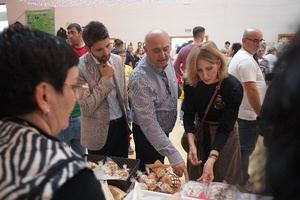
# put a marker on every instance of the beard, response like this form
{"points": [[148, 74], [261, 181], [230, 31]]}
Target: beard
{"points": [[103, 59]]}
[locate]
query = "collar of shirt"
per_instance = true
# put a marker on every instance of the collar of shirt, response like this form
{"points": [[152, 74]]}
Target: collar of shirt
{"points": [[246, 51], [95, 59], [155, 69]]}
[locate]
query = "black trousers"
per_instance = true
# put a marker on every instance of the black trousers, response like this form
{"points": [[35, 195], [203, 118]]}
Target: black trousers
{"points": [[117, 140], [143, 148]]}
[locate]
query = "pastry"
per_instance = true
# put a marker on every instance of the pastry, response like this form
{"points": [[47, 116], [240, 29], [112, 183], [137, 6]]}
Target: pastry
{"points": [[165, 188], [117, 193], [151, 184], [123, 173], [91, 165], [160, 172]]}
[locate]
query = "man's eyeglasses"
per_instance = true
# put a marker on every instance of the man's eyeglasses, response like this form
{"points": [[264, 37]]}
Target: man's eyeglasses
{"points": [[255, 40]]}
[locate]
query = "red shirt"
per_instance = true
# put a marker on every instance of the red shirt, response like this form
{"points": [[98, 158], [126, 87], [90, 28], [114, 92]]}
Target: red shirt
{"points": [[81, 50], [180, 61]]}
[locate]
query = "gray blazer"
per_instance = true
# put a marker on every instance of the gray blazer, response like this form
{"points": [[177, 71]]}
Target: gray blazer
{"points": [[93, 102]]}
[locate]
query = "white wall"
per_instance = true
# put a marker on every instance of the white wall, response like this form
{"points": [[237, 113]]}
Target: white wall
{"points": [[223, 19]]}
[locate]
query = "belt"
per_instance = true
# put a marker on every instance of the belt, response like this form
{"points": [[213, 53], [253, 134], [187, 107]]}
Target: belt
{"points": [[210, 123], [114, 121]]}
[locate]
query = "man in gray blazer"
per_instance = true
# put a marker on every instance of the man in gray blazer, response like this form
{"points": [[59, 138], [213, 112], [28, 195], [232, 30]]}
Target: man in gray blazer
{"points": [[103, 105]]}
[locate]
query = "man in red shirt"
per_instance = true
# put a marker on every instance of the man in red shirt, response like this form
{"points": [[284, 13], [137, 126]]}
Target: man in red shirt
{"points": [[179, 65], [75, 39], [180, 62]]}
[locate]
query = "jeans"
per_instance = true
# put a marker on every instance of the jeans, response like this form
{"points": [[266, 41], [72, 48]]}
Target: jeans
{"points": [[71, 136], [248, 132]]}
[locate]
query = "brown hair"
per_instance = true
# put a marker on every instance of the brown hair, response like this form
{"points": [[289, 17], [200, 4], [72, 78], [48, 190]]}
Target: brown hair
{"points": [[207, 51]]}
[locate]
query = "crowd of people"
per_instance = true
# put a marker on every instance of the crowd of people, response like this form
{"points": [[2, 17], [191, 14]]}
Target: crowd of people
{"points": [[75, 94]]}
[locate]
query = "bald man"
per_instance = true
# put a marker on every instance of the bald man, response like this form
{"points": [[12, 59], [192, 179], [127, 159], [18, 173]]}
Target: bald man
{"points": [[245, 68], [154, 89]]}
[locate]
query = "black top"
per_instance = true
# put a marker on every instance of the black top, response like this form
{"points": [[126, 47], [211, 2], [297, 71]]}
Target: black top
{"points": [[197, 98], [129, 58], [83, 185]]}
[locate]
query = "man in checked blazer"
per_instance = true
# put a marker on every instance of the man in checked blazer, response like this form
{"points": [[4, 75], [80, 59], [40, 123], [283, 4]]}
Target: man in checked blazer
{"points": [[103, 105]]}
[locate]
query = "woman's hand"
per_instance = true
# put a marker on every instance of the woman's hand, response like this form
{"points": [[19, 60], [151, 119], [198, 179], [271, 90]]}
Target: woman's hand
{"points": [[208, 171], [192, 156]]}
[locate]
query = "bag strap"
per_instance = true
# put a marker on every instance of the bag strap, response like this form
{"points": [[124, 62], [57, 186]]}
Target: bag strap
{"points": [[218, 87]]}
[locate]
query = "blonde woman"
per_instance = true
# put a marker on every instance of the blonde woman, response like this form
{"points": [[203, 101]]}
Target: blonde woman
{"points": [[216, 154]]}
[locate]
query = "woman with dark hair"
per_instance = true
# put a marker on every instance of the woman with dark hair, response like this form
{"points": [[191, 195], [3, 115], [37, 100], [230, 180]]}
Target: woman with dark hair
{"points": [[138, 55], [38, 84], [235, 47], [62, 33], [215, 155], [279, 121]]}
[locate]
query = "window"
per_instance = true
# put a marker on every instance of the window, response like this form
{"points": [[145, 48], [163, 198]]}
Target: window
{"points": [[3, 17]]}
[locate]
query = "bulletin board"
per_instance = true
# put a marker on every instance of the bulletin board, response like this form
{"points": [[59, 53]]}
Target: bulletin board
{"points": [[42, 20]]}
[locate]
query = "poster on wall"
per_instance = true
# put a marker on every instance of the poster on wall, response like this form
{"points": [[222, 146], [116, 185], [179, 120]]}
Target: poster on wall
{"points": [[41, 19]]}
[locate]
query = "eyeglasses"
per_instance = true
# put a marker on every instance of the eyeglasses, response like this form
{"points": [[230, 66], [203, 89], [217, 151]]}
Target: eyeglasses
{"points": [[255, 40], [76, 87]]}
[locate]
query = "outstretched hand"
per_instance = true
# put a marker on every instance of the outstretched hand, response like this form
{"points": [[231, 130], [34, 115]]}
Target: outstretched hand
{"points": [[180, 169], [208, 173]]}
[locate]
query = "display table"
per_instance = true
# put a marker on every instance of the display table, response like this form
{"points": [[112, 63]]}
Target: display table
{"points": [[213, 191]]}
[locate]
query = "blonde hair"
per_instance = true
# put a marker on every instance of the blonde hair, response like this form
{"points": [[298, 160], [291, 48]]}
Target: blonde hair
{"points": [[209, 52]]}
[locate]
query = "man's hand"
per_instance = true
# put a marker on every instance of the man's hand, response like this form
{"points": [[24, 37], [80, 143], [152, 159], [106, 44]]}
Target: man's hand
{"points": [[106, 70], [180, 169]]}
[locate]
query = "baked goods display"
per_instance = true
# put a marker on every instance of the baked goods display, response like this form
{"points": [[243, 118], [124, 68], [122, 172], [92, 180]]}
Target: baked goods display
{"points": [[159, 181], [221, 191], [109, 170], [214, 190], [194, 189], [159, 178]]}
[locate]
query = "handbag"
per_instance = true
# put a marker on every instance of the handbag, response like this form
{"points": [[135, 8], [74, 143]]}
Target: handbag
{"points": [[199, 124]]}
